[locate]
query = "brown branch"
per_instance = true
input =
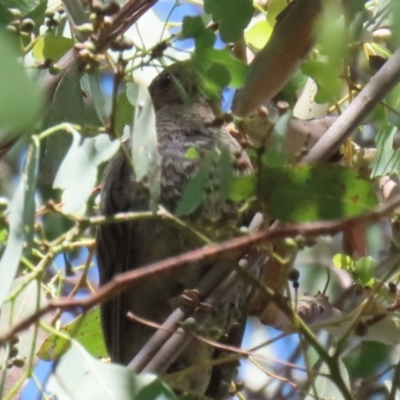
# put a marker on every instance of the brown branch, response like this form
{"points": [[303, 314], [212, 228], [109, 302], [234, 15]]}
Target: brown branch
{"points": [[175, 345], [353, 116], [236, 351], [127, 16], [233, 247], [290, 42]]}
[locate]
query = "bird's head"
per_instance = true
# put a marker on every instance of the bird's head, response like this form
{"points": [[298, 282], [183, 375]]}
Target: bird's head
{"points": [[181, 83]]}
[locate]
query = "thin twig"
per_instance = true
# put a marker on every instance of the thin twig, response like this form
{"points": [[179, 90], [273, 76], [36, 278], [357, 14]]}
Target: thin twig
{"points": [[233, 247], [353, 116]]}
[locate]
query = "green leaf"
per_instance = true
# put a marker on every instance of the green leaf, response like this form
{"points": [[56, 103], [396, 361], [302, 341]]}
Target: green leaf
{"points": [[343, 261], [37, 14], [192, 153], [326, 78], [273, 158], [395, 16], [332, 43], [26, 297], [331, 31], [373, 355], [145, 157], [20, 98], [193, 27], [68, 92], [387, 160], [124, 113], [233, 16], [21, 219], [96, 111], [25, 6], [78, 171], [243, 187], [312, 193], [325, 387], [51, 47], [258, 35], [85, 329], [355, 6], [364, 270], [275, 7], [193, 192], [219, 75], [205, 58], [80, 376], [76, 13], [3, 235], [5, 16]]}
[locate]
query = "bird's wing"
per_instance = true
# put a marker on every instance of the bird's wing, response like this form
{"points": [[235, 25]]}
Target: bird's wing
{"points": [[115, 248]]}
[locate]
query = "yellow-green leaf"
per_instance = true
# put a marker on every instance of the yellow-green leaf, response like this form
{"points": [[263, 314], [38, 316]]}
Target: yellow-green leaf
{"points": [[85, 329], [51, 47]]}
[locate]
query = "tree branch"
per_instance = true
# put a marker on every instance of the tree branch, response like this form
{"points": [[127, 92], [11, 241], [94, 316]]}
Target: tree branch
{"points": [[353, 116], [234, 248]]}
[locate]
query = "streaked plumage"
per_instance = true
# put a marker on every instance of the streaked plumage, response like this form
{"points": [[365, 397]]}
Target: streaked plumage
{"points": [[183, 117]]}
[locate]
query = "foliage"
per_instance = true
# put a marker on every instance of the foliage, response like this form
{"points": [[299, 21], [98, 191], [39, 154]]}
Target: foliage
{"points": [[73, 88]]}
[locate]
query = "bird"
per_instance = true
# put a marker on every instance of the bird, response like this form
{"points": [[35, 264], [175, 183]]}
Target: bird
{"points": [[185, 112]]}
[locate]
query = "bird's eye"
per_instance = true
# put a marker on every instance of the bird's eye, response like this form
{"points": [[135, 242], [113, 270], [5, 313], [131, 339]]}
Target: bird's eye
{"points": [[165, 81]]}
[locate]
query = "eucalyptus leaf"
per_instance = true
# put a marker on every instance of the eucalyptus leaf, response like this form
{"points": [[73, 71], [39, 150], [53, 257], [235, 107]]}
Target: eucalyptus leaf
{"points": [[76, 13], [325, 386], [80, 376], [51, 47], [28, 296], [145, 157], [20, 98], [258, 34], [124, 114], [192, 153], [78, 171], [326, 78], [219, 75], [37, 14], [355, 6], [275, 7], [233, 16], [386, 160], [85, 329], [91, 84], [243, 187], [25, 6], [194, 27], [206, 57], [21, 217], [395, 13], [313, 193], [386, 331], [374, 355], [68, 92], [327, 70], [364, 270], [194, 191], [5, 16], [343, 261]]}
